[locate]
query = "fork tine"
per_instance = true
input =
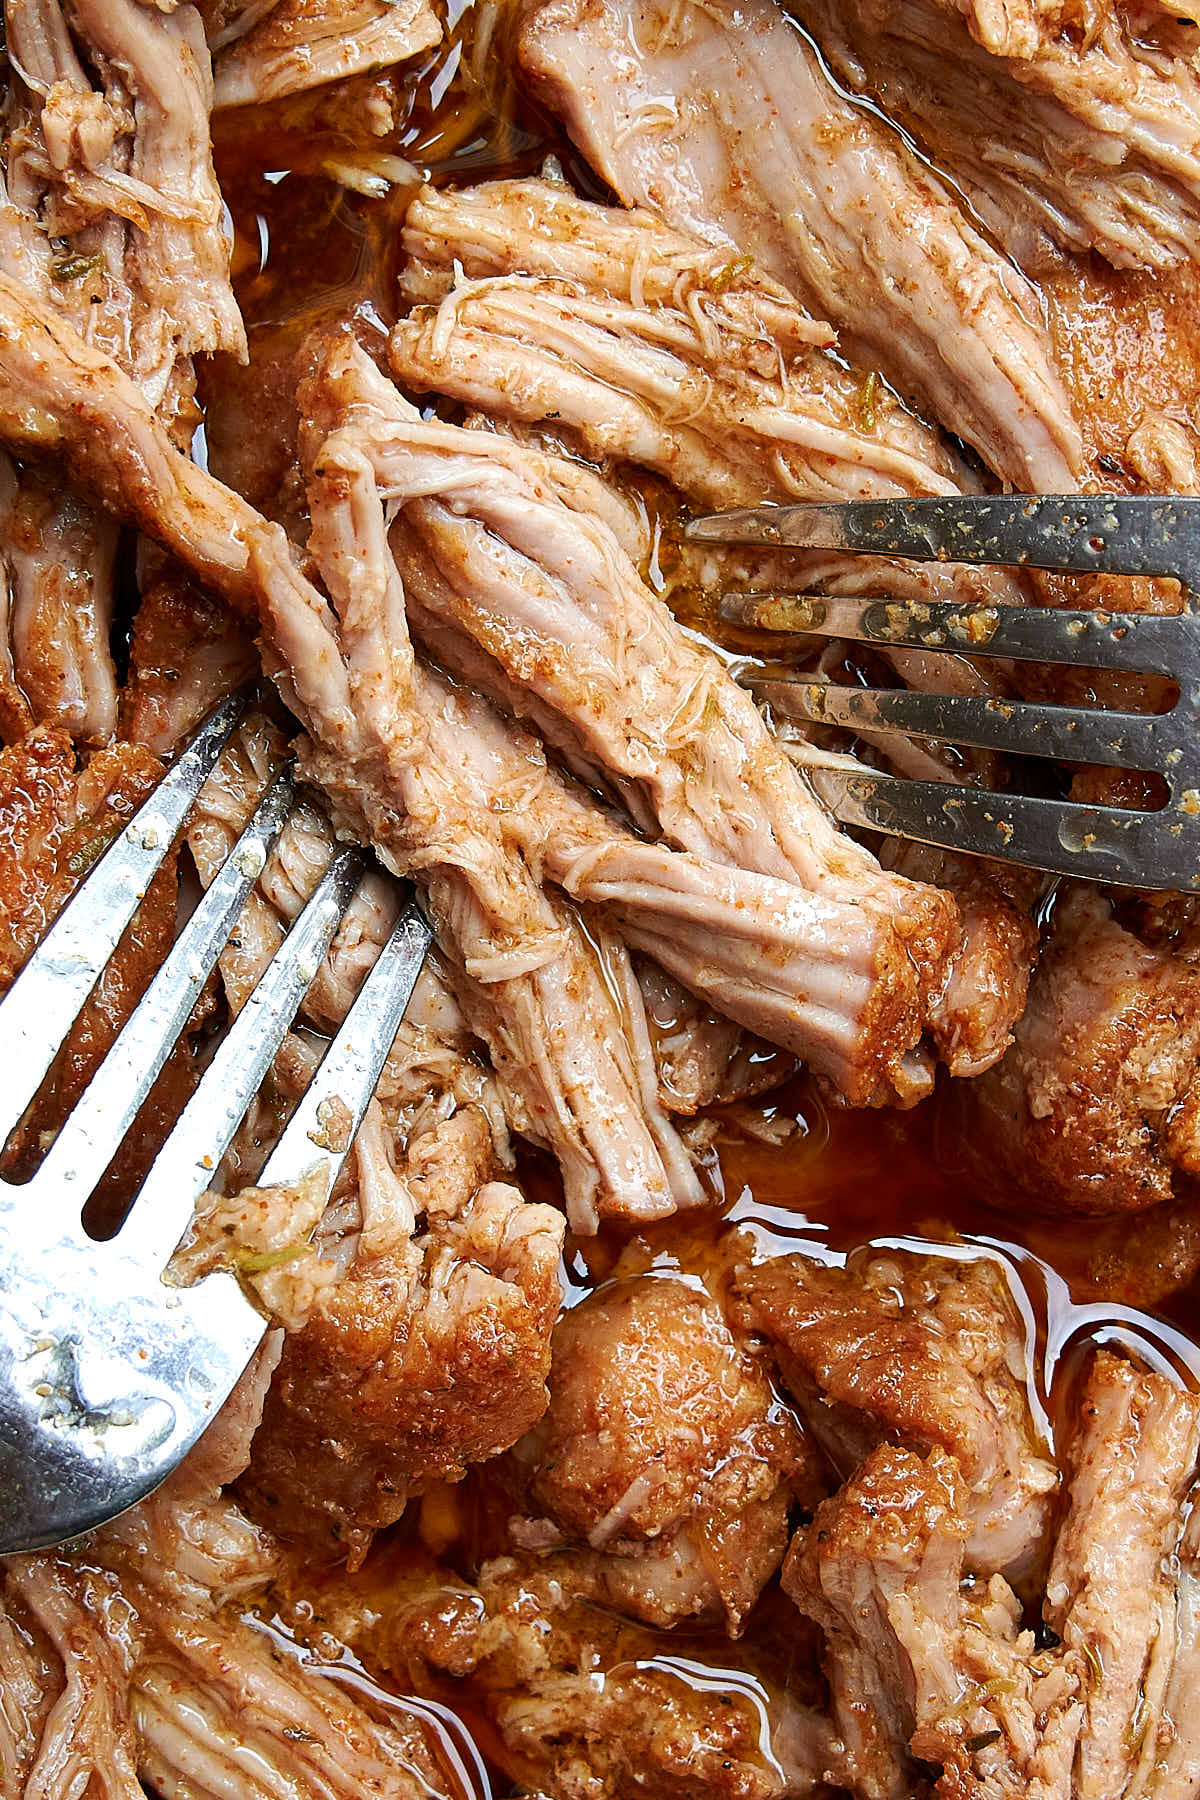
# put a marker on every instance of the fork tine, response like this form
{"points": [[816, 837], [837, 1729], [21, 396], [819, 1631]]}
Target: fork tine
{"points": [[1087, 533], [1061, 836], [327, 1116], [185, 1165], [1118, 740], [354, 1061], [108, 1106], [1089, 640], [48, 995]]}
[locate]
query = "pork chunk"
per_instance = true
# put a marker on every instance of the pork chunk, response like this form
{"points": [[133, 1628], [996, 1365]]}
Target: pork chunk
{"points": [[1116, 1594], [584, 1705], [417, 1361], [1097, 1104], [923, 1352], [921, 1669], [663, 1454]]}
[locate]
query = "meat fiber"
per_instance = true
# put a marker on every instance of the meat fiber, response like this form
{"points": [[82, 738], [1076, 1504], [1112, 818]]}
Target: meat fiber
{"points": [[720, 119], [558, 624], [283, 47], [1114, 1594], [1097, 1104], [662, 1457], [651, 345], [144, 1671], [111, 216], [923, 1352], [1092, 138], [923, 1670]]}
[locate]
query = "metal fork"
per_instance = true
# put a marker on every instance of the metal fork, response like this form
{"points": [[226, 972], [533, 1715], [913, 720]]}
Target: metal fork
{"points": [[1086, 534], [108, 1374]]}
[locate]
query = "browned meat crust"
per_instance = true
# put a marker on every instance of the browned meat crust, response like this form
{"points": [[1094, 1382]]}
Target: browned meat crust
{"points": [[416, 1361], [662, 1456], [919, 1351], [188, 651], [1097, 1104]]}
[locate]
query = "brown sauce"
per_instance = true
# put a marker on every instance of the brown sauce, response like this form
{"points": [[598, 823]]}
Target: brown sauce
{"points": [[309, 251]]}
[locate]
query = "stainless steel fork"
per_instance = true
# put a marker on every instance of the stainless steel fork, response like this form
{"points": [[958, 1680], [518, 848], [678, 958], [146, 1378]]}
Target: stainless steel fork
{"points": [[108, 1374], [1087, 534]]}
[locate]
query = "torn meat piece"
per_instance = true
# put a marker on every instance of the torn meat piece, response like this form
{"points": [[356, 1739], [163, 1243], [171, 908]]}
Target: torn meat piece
{"points": [[113, 218], [113, 162], [286, 46], [921, 1669], [583, 1703], [1093, 135], [845, 987], [1113, 1594], [924, 1352], [662, 1455], [59, 552], [1097, 1104], [583, 648], [651, 345], [186, 654], [1128, 344], [262, 1235], [418, 1360], [702, 1058], [985, 994], [720, 119]]}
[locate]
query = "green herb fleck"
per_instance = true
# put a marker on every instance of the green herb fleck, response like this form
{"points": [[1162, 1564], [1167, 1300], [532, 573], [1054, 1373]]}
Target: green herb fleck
{"points": [[257, 1262], [866, 400], [90, 852], [1094, 1663], [982, 1739], [72, 266], [730, 273]]}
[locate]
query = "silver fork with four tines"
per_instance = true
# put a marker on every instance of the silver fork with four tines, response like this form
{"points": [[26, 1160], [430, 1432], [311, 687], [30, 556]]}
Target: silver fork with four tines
{"points": [[108, 1373], [1087, 534]]}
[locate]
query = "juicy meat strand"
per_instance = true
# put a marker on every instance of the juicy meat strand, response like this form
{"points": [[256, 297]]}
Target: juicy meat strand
{"points": [[719, 118]]}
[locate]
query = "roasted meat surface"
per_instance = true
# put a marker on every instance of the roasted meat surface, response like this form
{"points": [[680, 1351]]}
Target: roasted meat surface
{"points": [[662, 1455]]}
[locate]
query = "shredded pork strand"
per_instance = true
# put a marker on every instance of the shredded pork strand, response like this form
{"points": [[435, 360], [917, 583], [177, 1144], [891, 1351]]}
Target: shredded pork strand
{"points": [[1092, 138], [111, 215], [288, 46], [720, 118], [597, 663], [652, 345]]}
